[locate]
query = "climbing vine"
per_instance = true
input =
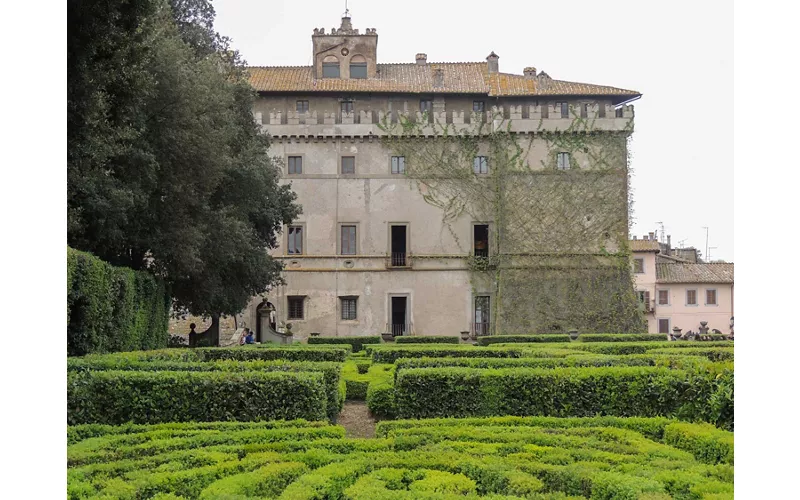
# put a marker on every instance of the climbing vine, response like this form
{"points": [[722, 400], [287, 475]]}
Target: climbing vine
{"points": [[558, 256]]}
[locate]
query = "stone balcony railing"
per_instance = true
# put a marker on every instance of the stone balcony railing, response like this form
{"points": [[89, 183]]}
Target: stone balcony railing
{"points": [[536, 118]]}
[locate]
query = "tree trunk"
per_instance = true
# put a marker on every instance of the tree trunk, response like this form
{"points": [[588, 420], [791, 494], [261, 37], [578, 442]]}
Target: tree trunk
{"points": [[211, 336]]}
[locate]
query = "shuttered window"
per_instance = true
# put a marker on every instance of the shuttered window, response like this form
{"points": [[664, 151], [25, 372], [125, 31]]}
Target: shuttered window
{"points": [[295, 240], [562, 161], [663, 326], [480, 165], [398, 164], [691, 297], [348, 240], [295, 165], [663, 297], [711, 297], [638, 266], [348, 164]]}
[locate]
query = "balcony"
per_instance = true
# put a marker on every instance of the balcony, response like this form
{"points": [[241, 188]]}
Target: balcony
{"points": [[398, 260], [400, 329], [481, 329]]}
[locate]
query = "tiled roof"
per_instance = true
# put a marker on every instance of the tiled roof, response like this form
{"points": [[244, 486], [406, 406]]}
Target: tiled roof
{"points": [[694, 273], [668, 259], [644, 246], [460, 78]]}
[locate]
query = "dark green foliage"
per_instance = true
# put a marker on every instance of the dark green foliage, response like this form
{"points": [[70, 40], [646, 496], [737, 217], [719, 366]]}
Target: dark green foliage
{"points": [[424, 339], [623, 337], [356, 342], [331, 371], [113, 308], [337, 353], [116, 397], [542, 337], [563, 392], [166, 170], [357, 389], [363, 367], [381, 399]]}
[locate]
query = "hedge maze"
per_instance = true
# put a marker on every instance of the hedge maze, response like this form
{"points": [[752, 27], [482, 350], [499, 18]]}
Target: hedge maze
{"points": [[617, 418]]}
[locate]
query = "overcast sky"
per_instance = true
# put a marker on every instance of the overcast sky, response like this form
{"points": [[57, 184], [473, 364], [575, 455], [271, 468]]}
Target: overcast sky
{"points": [[678, 54]]}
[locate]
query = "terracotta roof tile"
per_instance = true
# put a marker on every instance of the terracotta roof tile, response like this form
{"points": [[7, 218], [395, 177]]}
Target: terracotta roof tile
{"points": [[717, 272], [644, 246], [459, 77]]}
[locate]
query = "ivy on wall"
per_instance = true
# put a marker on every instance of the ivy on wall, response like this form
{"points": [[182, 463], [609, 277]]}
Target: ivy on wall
{"points": [[559, 257]]}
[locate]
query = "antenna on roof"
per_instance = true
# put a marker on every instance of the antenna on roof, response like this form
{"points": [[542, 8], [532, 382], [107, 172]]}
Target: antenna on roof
{"points": [[346, 10]]}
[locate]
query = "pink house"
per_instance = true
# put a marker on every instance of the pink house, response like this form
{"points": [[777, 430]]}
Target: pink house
{"points": [[677, 293]]}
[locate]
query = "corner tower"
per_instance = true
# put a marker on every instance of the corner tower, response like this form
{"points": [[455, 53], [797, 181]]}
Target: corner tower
{"points": [[345, 53]]}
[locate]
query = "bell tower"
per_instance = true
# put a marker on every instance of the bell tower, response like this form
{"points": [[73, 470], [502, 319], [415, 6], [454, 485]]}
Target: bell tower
{"points": [[345, 53]]}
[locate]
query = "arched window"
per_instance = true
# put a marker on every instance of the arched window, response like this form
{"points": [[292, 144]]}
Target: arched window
{"points": [[358, 67], [330, 67]]}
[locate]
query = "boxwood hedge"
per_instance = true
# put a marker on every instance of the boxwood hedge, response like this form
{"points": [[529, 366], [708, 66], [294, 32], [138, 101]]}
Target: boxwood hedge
{"points": [[289, 353], [331, 371], [116, 396], [113, 308], [509, 339], [564, 392], [534, 458], [428, 339], [357, 343], [388, 354]]}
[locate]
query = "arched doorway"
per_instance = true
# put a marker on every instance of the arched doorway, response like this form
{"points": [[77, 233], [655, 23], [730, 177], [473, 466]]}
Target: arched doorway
{"points": [[264, 318]]}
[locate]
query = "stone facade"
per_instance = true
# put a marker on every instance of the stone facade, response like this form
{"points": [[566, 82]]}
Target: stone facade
{"points": [[315, 121]]}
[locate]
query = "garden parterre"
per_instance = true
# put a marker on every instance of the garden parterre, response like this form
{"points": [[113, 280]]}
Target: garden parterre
{"points": [[497, 458]]}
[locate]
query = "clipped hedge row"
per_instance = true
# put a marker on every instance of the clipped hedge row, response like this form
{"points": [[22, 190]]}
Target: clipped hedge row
{"points": [[562, 392], [331, 371], [623, 337], [561, 337], [534, 458], [357, 343], [115, 397], [707, 443], [432, 339], [510, 339], [389, 354], [289, 353], [113, 308]]}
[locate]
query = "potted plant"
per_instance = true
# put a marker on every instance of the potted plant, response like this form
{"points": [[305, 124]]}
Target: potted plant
{"points": [[573, 334], [315, 334]]}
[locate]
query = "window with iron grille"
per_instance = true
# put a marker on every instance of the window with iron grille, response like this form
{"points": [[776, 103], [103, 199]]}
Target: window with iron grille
{"points": [[349, 308], [347, 107], [480, 165], [302, 107], [711, 297], [348, 164], [663, 297], [481, 326], [478, 106], [426, 105], [691, 297], [296, 307], [348, 240], [564, 107], [638, 266], [663, 325], [295, 240], [295, 165], [562, 161], [398, 164]]}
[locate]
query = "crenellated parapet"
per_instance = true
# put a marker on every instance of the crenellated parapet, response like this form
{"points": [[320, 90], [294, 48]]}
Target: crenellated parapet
{"points": [[518, 118]]}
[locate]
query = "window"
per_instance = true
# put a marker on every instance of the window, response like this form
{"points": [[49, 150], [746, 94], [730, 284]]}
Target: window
{"points": [[358, 67], [480, 240], [663, 325], [643, 297], [481, 325], [478, 106], [480, 165], [562, 161], [426, 105], [348, 240], [294, 244], [398, 164], [638, 266], [295, 165], [302, 107], [711, 297], [601, 111], [348, 164], [584, 110], [663, 297], [618, 112], [349, 306], [347, 107], [398, 244], [296, 307], [330, 67], [564, 107], [691, 297]]}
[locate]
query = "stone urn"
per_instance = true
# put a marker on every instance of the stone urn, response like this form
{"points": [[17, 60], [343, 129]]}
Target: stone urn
{"points": [[573, 334], [387, 337], [465, 335], [676, 334], [314, 334], [703, 328]]}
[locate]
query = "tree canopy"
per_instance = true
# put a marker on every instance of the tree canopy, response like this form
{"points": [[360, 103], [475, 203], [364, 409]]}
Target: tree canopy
{"points": [[167, 171]]}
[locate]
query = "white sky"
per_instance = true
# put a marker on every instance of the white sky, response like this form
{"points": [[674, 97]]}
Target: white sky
{"points": [[679, 55]]}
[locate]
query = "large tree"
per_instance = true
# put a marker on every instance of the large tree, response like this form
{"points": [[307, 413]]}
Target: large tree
{"points": [[167, 170]]}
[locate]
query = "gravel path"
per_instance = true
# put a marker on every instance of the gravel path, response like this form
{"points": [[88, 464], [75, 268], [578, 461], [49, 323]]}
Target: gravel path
{"points": [[356, 420]]}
